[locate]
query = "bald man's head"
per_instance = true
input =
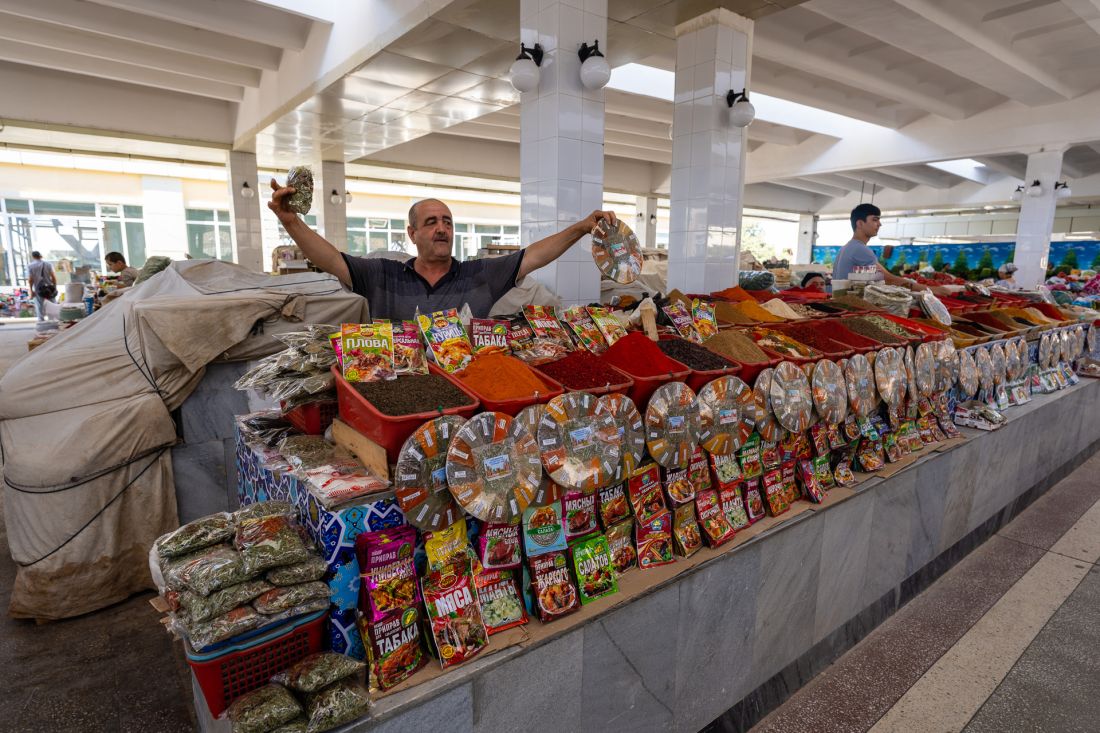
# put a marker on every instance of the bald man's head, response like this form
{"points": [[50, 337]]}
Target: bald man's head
{"points": [[431, 229], [414, 210]]}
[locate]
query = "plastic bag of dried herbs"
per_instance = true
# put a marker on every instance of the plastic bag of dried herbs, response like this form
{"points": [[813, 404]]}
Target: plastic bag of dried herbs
{"points": [[317, 604], [298, 725], [226, 626], [263, 510], [317, 671], [196, 535], [300, 177], [312, 569], [270, 543], [279, 599], [206, 570], [263, 709], [337, 704], [200, 609]]}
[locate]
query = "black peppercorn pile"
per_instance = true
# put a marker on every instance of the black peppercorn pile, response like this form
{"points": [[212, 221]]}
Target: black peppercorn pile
{"points": [[693, 355], [412, 393]]}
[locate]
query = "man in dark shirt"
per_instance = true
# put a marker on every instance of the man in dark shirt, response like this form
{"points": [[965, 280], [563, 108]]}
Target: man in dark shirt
{"points": [[433, 280]]}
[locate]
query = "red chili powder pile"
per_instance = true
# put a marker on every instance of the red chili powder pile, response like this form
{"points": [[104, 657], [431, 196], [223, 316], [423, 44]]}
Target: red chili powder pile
{"points": [[501, 377], [637, 354]]}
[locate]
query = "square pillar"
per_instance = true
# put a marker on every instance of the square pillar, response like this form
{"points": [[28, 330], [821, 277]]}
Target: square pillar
{"points": [[713, 56], [646, 230], [561, 140], [247, 225], [807, 236], [332, 219], [1037, 218]]}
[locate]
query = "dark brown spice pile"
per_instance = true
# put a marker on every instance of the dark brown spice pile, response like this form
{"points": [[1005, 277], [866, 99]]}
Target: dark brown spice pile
{"points": [[812, 337], [413, 393], [693, 355], [870, 330]]}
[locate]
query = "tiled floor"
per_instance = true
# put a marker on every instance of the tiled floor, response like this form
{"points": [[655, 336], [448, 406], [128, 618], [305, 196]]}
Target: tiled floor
{"points": [[947, 661]]}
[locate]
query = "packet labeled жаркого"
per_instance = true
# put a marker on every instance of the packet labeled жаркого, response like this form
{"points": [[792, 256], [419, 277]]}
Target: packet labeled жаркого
{"points": [[447, 339], [367, 351], [553, 587], [387, 573], [499, 546], [595, 574], [501, 604], [620, 542]]}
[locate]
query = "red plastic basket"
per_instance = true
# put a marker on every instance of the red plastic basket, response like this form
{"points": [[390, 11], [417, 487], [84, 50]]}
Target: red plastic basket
{"points": [[390, 431], [837, 348], [226, 674], [312, 418], [699, 378], [644, 387], [513, 406]]}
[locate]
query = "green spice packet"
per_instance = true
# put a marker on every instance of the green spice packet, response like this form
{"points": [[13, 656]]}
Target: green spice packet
{"points": [[608, 324], [592, 562], [585, 329]]}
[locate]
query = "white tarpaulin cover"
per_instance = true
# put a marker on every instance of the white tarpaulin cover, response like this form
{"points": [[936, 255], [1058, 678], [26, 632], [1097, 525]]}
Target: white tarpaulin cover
{"points": [[86, 429]]}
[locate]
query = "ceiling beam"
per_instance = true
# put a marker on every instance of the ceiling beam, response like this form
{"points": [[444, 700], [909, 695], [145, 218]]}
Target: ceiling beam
{"points": [[1072, 170], [1003, 165], [973, 34], [802, 184], [965, 170], [50, 58], [153, 31], [829, 68], [238, 18], [918, 174], [786, 87], [879, 179], [48, 35], [775, 134], [1086, 10], [836, 181], [1021, 7]]}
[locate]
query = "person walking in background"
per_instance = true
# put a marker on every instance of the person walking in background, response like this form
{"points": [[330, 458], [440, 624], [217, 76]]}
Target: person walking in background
{"points": [[43, 283]]}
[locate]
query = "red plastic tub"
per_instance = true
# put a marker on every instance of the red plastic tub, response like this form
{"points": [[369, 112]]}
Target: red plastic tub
{"points": [[390, 431], [312, 418], [513, 406], [698, 378], [644, 387], [229, 672]]}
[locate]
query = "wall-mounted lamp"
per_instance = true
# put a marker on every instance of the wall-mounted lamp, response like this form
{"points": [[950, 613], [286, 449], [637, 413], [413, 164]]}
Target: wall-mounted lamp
{"points": [[347, 196], [652, 218], [246, 191], [742, 113], [640, 216], [1035, 190], [335, 198], [1018, 194], [595, 71], [1062, 190], [524, 73]]}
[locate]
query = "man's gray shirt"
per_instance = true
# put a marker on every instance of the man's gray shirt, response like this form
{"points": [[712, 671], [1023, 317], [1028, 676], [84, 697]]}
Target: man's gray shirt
{"points": [[854, 254]]}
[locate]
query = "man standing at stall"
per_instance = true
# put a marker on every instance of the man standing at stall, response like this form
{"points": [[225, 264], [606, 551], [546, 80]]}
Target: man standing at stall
{"points": [[433, 280], [43, 282], [865, 225]]}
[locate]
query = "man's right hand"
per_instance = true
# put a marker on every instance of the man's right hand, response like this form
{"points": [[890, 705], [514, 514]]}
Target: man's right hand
{"points": [[280, 203]]}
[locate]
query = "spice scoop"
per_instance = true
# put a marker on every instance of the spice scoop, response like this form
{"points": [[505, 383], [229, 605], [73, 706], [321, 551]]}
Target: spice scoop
{"points": [[672, 424], [420, 479], [493, 468], [616, 251], [728, 412], [579, 442]]}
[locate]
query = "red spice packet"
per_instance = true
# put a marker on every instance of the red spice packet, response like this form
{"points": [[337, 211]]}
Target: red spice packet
{"points": [[872, 457], [775, 492], [620, 540], [526, 347], [754, 502], [408, 352], [789, 484], [819, 436], [851, 427], [393, 646], [724, 469], [612, 505], [608, 324], [685, 530], [804, 447], [843, 473], [678, 486], [644, 490], [702, 317], [489, 336], [924, 425], [810, 485], [584, 329], [770, 455], [454, 613], [654, 540], [788, 448], [837, 438], [733, 506], [717, 529], [553, 587], [388, 577], [501, 602], [698, 470], [579, 515], [499, 546], [681, 318], [546, 326]]}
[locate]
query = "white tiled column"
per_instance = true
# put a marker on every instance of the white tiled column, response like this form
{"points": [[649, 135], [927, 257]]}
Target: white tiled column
{"points": [[646, 228], [807, 235], [165, 217], [247, 226], [332, 219], [713, 53], [1036, 218], [561, 140]]}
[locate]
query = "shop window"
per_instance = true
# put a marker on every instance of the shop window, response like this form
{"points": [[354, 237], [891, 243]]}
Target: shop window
{"points": [[209, 234]]}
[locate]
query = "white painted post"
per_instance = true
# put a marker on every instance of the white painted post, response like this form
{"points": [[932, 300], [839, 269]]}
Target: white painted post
{"points": [[332, 219], [1037, 218], [807, 236], [247, 227]]}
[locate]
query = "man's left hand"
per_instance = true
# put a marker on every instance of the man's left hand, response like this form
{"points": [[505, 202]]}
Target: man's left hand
{"points": [[588, 224]]}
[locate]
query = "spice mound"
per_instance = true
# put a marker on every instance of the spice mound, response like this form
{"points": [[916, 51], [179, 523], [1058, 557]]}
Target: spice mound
{"points": [[757, 312], [582, 370], [810, 336], [636, 353], [412, 394], [697, 357], [501, 377], [737, 346]]}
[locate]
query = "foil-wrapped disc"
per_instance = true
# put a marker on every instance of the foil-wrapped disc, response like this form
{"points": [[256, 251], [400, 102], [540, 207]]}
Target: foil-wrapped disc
{"points": [[1000, 363], [890, 376], [911, 373], [792, 403], [628, 421], [1067, 343], [672, 424], [579, 442], [728, 411], [420, 478], [1079, 339], [829, 392], [968, 375], [985, 369], [1092, 342], [1013, 368], [616, 251], [766, 424], [1045, 349], [494, 468], [860, 381], [924, 364], [1025, 356], [947, 364]]}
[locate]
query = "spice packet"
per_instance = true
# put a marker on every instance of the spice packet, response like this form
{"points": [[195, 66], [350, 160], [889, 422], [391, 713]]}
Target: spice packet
{"points": [[543, 529], [890, 446], [620, 541], [454, 613], [843, 472], [733, 506], [553, 587], [819, 436], [924, 426], [337, 348], [488, 336], [811, 487], [408, 352], [610, 326], [702, 317], [751, 464], [698, 470], [851, 427], [447, 339], [823, 472], [501, 602], [687, 539], [546, 326], [612, 505], [595, 573], [394, 651], [644, 491], [653, 538], [871, 455], [754, 501], [789, 470], [444, 545], [775, 492], [579, 512], [837, 438], [367, 350], [584, 328], [725, 469], [717, 529], [910, 435], [499, 546], [678, 486], [681, 318], [770, 456], [388, 577]]}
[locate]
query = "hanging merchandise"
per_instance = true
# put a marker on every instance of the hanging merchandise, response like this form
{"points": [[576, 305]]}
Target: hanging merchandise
{"points": [[829, 392], [890, 376], [924, 364], [985, 370], [766, 424], [672, 425], [420, 478], [579, 442], [1045, 351], [629, 424], [1079, 341], [790, 397], [727, 409], [999, 362], [860, 381], [933, 307], [616, 251], [947, 364], [1025, 356], [968, 375], [1068, 345], [493, 467], [1013, 367]]}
